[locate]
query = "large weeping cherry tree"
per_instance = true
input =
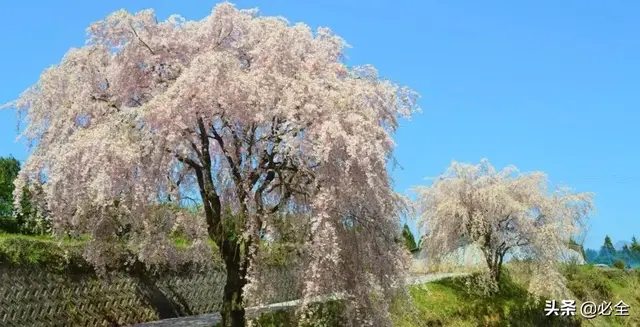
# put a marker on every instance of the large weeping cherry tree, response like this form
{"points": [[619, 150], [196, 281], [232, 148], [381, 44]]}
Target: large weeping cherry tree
{"points": [[503, 212], [249, 116]]}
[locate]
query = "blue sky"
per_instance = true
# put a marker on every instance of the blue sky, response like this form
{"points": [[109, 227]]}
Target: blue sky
{"points": [[547, 85]]}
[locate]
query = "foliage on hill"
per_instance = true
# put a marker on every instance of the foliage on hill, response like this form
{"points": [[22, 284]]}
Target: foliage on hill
{"points": [[627, 257], [590, 283], [66, 255]]}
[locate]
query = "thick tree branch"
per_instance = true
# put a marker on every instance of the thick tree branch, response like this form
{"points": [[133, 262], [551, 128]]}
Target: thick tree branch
{"points": [[207, 186]]}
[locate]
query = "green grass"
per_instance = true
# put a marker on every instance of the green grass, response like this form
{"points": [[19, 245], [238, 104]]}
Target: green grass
{"points": [[589, 283], [450, 302], [44, 252], [41, 238], [68, 241], [62, 254]]}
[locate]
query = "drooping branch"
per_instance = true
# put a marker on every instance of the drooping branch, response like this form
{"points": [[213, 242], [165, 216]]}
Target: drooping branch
{"points": [[501, 211], [270, 148]]}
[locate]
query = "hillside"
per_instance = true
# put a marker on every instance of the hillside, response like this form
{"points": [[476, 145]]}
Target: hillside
{"points": [[451, 303]]}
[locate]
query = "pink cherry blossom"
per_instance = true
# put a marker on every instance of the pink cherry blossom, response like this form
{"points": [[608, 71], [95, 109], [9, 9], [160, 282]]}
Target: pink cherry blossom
{"points": [[504, 212], [236, 112]]}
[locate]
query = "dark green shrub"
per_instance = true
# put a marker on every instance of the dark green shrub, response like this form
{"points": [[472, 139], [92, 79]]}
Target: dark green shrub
{"points": [[619, 263], [25, 252], [571, 269], [9, 224]]}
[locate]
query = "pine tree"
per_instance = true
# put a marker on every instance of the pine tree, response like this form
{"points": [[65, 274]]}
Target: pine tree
{"points": [[626, 255], [634, 250], [635, 246], [608, 245], [409, 240], [591, 255], [607, 252], [9, 168]]}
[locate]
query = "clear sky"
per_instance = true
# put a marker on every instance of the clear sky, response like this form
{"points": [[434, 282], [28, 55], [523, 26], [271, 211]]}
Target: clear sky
{"points": [[547, 85]]}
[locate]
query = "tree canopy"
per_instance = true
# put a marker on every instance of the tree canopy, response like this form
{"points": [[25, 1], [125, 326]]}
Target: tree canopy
{"points": [[502, 211], [9, 169], [635, 246], [236, 112]]}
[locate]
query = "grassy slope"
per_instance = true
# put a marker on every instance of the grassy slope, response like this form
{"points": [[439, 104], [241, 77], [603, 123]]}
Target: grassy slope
{"points": [[450, 303], [35, 250], [65, 256], [590, 283]]}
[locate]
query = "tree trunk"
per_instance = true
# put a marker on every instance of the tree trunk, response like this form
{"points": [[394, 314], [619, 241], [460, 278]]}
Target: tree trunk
{"points": [[494, 263], [232, 312], [496, 272]]}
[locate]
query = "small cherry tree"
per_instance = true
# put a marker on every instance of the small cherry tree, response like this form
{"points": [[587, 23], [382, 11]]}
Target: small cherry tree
{"points": [[501, 211], [243, 114]]}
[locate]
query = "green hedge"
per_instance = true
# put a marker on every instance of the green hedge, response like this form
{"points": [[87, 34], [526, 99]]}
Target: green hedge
{"points": [[65, 257], [24, 251]]}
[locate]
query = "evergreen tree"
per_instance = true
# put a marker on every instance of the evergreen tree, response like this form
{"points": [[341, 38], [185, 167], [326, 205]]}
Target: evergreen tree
{"points": [[409, 240], [635, 246], [626, 255], [607, 252], [608, 245], [591, 255], [9, 169], [634, 252]]}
